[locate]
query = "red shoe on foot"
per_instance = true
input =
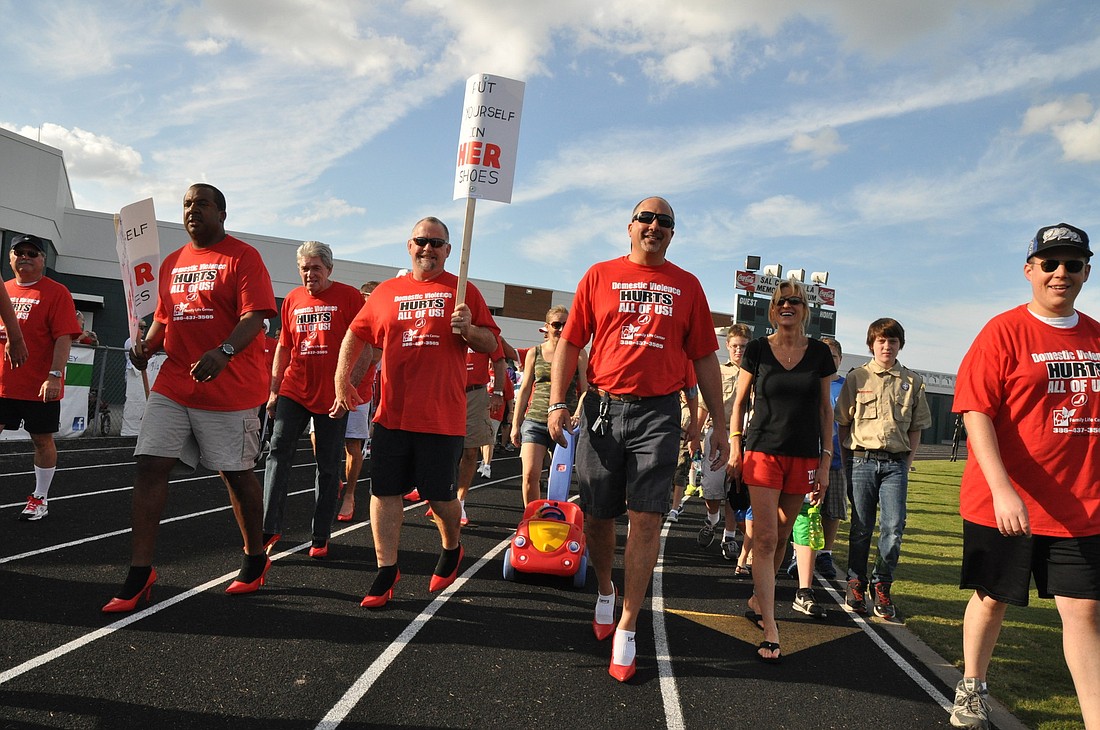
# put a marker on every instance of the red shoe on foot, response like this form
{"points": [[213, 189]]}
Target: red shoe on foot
{"points": [[319, 551], [604, 631], [269, 543], [370, 601], [439, 582], [124, 605], [238, 586], [413, 496], [622, 672]]}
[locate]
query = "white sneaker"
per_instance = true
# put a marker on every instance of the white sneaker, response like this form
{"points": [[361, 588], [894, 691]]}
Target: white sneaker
{"points": [[36, 509], [485, 470], [673, 515]]}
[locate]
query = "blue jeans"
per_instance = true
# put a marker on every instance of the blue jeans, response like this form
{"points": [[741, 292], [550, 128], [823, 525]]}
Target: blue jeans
{"points": [[291, 419], [881, 486]]}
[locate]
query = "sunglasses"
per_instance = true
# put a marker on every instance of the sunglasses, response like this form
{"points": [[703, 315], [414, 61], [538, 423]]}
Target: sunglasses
{"points": [[1073, 266], [556, 325], [793, 301], [646, 217], [433, 242], [26, 253]]}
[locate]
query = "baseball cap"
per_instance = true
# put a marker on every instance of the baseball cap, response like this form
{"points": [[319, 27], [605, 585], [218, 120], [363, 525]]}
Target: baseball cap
{"points": [[31, 239], [1062, 235]]}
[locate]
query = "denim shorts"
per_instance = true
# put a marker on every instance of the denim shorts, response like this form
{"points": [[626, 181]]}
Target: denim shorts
{"points": [[535, 432]]}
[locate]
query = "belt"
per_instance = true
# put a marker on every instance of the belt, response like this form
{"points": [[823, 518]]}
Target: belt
{"points": [[881, 455], [472, 388], [624, 397]]}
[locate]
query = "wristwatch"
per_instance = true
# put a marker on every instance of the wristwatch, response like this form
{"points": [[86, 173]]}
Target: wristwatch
{"points": [[228, 349], [55, 373]]}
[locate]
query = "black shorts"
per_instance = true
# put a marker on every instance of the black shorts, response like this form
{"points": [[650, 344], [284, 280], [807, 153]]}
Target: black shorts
{"points": [[35, 416], [402, 460], [629, 466], [1003, 566]]}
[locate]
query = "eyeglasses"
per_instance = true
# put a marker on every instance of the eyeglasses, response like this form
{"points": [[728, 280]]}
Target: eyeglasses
{"points": [[556, 325], [433, 242], [647, 217], [1073, 266], [26, 253], [793, 301]]}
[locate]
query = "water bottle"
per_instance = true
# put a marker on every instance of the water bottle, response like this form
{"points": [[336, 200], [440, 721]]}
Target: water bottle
{"points": [[817, 533]]}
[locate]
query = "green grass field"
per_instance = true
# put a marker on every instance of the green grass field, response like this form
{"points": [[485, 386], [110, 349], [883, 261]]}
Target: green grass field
{"points": [[1028, 674]]}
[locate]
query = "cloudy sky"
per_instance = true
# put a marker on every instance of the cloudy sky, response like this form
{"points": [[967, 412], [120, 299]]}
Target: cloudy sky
{"points": [[911, 149]]}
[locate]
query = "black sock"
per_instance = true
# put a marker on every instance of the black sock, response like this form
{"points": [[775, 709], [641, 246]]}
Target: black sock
{"points": [[448, 562], [320, 542], [135, 581], [387, 576], [252, 567]]}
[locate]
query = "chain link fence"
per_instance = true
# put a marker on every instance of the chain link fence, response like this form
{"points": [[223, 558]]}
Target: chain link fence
{"points": [[107, 391]]}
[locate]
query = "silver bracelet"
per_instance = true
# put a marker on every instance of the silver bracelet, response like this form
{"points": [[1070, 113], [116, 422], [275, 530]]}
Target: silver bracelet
{"points": [[557, 407]]}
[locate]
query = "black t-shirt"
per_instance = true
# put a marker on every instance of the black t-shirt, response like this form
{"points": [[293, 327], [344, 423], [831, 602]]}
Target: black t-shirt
{"points": [[786, 409]]}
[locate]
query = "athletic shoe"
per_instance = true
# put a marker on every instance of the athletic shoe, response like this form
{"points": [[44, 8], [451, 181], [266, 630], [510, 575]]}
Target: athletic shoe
{"points": [[971, 704], [823, 563], [856, 597], [804, 602], [706, 534], [35, 509], [485, 470], [884, 607], [730, 549], [673, 515]]}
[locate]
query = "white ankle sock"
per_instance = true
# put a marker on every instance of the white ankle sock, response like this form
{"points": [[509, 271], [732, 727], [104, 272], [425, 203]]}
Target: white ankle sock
{"points": [[605, 608], [42, 479], [729, 534], [713, 518], [622, 648]]}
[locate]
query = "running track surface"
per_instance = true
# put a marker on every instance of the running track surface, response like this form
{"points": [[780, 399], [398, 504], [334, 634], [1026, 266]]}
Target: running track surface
{"points": [[301, 653]]}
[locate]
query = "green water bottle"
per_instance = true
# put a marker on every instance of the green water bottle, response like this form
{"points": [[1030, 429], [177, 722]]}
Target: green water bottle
{"points": [[817, 533]]}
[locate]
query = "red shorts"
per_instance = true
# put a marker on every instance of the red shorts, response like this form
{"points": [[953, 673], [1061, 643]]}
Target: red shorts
{"points": [[789, 474]]}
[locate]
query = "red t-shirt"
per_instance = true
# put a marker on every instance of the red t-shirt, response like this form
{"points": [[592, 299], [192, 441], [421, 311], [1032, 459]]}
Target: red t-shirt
{"points": [[423, 363], [645, 320], [1041, 387], [479, 364], [313, 328], [45, 311], [203, 293], [509, 390]]}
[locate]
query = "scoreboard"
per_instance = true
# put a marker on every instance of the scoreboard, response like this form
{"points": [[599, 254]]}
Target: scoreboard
{"points": [[753, 311]]}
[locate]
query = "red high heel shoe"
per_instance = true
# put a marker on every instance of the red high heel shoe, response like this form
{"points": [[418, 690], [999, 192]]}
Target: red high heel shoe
{"points": [[603, 631], [238, 586], [439, 582], [370, 601], [124, 605], [319, 551], [622, 672]]}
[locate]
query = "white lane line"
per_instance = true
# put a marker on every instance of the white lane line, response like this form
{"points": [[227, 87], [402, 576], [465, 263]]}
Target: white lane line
{"points": [[115, 465], [152, 609], [670, 694], [937, 696]]}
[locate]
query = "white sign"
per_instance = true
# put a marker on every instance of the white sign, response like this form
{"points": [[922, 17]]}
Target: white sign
{"points": [[138, 246], [765, 284], [488, 138]]}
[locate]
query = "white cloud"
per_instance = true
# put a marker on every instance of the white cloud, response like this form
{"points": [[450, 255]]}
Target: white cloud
{"points": [[782, 216], [820, 147], [1080, 140], [87, 155], [206, 46], [1043, 117], [326, 210]]}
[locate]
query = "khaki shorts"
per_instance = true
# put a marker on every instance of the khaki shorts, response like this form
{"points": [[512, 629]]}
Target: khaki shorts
{"points": [[479, 429], [219, 440]]}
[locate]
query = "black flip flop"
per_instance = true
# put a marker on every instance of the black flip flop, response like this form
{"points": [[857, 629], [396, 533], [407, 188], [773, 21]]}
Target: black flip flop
{"points": [[768, 646], [756, 619]]}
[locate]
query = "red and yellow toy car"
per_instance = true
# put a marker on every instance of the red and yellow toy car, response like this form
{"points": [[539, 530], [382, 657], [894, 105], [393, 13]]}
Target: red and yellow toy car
{"points": [[549, 540]]}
